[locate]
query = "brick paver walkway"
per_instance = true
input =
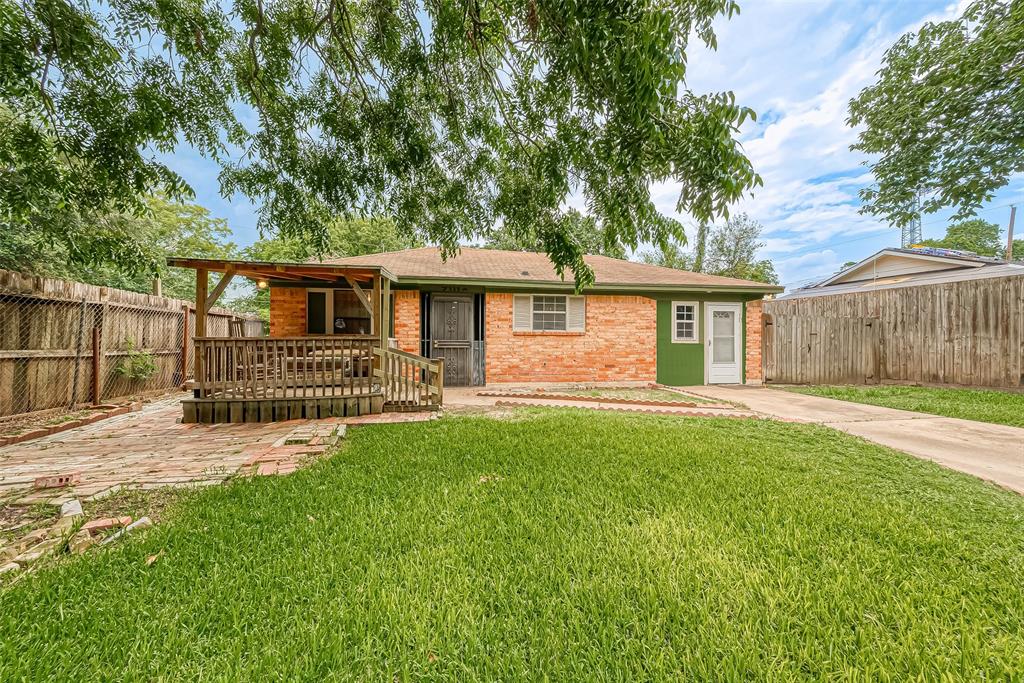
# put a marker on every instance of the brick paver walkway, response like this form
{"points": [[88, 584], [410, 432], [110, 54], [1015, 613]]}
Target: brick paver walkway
{"points": [[151, 448]]}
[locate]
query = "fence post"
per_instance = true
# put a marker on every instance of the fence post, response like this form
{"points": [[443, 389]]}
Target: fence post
{"points": [[78, 354], [97, 380]]}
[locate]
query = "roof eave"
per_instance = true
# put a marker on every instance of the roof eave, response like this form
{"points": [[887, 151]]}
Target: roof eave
{"points": [[272, 269], [604, 286]]}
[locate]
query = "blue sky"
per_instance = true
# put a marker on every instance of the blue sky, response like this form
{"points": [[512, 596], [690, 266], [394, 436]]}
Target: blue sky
{"points": [[797, 63]]}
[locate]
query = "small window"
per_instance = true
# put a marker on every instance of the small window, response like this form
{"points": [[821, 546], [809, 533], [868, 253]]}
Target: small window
{"points": [[549, 313], [684, 321]]}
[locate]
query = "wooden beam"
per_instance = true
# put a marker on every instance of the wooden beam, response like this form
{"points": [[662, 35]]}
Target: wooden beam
{"points": [[375, 315], [385, 303], [363, 299], [202, 287], [225, 280]]}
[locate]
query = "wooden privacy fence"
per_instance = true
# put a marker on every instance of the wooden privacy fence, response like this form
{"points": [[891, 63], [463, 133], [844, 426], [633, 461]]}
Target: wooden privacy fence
{"points": [[65, 343], [969, 332], [817, 350]]}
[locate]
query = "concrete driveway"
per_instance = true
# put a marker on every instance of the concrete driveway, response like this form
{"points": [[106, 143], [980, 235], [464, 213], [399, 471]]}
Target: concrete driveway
{"points": [[990, 451]]}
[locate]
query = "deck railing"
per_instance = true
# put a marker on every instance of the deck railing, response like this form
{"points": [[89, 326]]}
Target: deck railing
{"points": [[409, 381], [284, 367], [245, 369]]}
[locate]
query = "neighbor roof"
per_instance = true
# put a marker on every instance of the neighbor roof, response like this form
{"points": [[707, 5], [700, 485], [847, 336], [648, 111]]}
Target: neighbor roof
{"points": [[495, 266], [940, 258], [913, 280]]}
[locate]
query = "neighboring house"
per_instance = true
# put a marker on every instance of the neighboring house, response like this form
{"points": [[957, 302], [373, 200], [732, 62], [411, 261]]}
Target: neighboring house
{"points": [[931, 316], [894, 268], [505, 316]]}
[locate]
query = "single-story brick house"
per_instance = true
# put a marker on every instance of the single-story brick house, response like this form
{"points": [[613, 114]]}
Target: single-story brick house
{"points": [[505, 316]]}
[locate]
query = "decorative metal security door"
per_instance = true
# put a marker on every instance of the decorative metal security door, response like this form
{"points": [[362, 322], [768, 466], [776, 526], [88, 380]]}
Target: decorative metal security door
{"points": [[451, 333]]}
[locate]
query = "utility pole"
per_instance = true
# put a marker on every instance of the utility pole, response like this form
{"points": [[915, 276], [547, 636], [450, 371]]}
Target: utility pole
{"points": [[1009, 234], [910, 234]]}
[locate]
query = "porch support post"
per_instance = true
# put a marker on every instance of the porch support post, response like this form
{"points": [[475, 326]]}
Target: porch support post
{"points": [[385, 311], [375, 313], [202, 285]]}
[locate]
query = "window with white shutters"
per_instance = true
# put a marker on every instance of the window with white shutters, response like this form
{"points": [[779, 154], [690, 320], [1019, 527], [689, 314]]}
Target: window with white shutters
{"points": [[548, 313]]}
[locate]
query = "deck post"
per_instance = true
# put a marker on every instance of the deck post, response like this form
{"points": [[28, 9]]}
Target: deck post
{"points": [[202, 286], [440, 381], [385, 312], [376, 305]]}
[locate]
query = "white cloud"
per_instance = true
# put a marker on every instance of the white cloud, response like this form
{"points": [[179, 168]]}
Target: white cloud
{"points": [[798, 64]]}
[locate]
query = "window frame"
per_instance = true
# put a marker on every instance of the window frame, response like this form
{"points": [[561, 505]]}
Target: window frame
{"points": [[564, 313], [329, 314], [695, 307]]}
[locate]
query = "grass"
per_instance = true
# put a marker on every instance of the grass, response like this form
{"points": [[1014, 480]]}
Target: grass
{"points": [[633, 393], [1000, 407], [560, 544]]}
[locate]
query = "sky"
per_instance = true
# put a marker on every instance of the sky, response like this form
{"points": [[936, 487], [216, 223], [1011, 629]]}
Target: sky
{"points": [[797, 64]]}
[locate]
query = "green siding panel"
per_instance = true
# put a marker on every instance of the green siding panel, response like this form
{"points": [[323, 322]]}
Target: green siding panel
{"points": [[683, 364], [678, 364]]}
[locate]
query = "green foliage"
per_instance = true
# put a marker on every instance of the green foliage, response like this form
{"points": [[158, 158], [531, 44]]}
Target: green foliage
{"points": [[137, 364], [448, 116], [345, 237], [946, 117], [165, 228], [581, 229], [1000, 407], [551, 546], [729, 250], [91, 92]]}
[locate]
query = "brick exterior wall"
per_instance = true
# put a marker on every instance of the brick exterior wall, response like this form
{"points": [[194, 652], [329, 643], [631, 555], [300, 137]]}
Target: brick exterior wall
{"points": [[287, 311], [755, 371], [619, 344], [407, 320]]}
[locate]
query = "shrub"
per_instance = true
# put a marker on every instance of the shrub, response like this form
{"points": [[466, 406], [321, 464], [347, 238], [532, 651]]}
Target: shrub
{"points": [[137, 365]]}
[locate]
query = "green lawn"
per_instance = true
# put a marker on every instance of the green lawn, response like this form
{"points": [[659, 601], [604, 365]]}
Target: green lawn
{"points": [[554, 544], [1001, 407]]}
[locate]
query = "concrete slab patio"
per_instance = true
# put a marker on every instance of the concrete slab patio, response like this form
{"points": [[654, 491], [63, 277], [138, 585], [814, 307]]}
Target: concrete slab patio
{"points": [[150, 448], [989, 451]]}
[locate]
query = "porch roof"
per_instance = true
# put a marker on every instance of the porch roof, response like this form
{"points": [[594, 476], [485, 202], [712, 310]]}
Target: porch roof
{"points": [[266, 270]]}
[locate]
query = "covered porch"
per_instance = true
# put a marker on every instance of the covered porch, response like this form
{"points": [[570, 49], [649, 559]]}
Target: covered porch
{"points": [[345, 365]]}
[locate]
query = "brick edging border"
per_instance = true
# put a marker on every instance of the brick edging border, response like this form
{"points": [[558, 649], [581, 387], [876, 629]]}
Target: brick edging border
{"points": [[71, 424], [601, 399], [640, 409]]}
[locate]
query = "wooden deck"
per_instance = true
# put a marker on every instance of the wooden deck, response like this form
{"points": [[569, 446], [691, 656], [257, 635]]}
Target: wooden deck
{"points": [[273, 379]]}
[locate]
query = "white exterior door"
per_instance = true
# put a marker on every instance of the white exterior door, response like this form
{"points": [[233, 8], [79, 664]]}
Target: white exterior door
{"points": [[724, 334]]}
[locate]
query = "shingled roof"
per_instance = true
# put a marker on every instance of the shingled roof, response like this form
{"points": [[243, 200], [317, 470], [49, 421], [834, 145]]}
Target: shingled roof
{"points": [[498, 266]]}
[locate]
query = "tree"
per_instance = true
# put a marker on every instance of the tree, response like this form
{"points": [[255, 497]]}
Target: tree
{"points": [[346, 237], [165, 229], [946, 115], [729, 251], [583, 230], [975, 235], [449, 116]]}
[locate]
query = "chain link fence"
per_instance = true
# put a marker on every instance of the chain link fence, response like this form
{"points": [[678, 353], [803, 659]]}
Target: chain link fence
{"points": [[64, 344]]}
